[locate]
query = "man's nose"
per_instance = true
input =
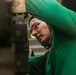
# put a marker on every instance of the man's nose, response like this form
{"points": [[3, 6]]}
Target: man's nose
{"points": [[34, 33]]}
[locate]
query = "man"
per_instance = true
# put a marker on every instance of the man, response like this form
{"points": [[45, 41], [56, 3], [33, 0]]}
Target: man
{"points": [[63, 22], [43, 33]]}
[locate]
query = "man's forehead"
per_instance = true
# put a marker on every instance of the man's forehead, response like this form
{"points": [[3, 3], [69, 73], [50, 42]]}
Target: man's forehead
{"points": [[34, 20]]}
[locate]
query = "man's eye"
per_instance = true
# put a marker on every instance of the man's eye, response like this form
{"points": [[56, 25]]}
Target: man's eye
{"points": [[36, 26]]}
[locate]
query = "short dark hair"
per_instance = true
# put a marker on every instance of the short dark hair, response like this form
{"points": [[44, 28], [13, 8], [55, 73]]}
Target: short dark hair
{"points": [[30, 20]]}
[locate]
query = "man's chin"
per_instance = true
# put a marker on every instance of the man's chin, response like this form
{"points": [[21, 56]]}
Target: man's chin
{"points": [[43, 44], [47, 46]]}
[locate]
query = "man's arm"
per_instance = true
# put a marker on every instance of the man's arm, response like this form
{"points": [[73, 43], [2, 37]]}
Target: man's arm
{"points": [[54, 14], [37, 65]]}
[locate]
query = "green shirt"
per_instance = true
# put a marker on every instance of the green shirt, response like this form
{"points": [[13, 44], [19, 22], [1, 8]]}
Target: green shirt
{"points": [[37, 64], [63, 21]]}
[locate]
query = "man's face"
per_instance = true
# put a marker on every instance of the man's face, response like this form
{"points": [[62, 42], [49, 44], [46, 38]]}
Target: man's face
{"points": [[40, 30]]}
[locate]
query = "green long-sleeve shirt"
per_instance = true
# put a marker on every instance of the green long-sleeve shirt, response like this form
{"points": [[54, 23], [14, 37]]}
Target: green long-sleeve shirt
{"points": [[63, 21]]}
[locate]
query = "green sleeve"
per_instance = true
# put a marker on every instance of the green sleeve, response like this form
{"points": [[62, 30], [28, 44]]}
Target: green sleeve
{"points": [[37, 65], [54, 14]]}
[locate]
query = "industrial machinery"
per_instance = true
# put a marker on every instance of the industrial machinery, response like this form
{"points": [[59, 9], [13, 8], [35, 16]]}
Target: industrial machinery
{"points": [[20, 37], [13, 34]]}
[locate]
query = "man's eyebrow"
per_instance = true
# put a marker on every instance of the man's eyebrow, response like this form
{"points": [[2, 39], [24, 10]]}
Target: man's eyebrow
{"points": [[36, 23], [33, 25]]}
